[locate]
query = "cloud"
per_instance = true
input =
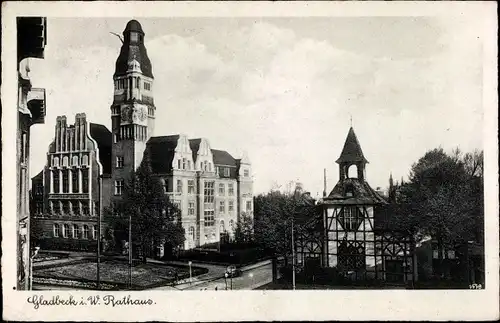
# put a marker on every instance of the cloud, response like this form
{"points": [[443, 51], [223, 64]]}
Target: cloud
{"points": [[287, 98]]}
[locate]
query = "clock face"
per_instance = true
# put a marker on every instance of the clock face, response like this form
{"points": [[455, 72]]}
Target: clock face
{"points": [[142, 114]]}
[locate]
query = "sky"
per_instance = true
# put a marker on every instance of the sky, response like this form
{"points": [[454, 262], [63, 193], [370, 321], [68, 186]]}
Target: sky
{"points": [[283, 90]]}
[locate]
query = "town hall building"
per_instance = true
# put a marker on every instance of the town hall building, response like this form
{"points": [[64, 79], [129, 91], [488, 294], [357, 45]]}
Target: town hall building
{"points": [[211, 188]]}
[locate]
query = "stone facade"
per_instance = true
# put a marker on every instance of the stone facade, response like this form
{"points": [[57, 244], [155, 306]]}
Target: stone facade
{"points": [[65, 195]]}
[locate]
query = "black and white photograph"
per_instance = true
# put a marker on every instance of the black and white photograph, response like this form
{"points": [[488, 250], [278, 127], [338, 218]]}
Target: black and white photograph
{"points": [[215, 153]]}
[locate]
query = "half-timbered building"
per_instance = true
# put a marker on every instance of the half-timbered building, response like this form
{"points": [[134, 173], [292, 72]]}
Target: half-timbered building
{"points": [[354, 232]]}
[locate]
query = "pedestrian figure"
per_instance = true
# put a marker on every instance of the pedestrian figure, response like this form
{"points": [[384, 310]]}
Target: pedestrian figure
{"points": [[215, 288]]}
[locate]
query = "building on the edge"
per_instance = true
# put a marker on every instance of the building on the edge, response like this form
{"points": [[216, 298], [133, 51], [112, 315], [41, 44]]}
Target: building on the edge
{"points": [[354, 232], [65, 195], [211, 187], [31, 41]]}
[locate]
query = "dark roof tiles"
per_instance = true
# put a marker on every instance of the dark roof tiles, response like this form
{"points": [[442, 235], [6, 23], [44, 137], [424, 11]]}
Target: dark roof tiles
{"points": [[352, 150], [353, 191], [103, 137]]}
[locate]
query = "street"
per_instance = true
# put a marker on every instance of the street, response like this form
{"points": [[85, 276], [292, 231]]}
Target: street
{"points": [[249, 279]]}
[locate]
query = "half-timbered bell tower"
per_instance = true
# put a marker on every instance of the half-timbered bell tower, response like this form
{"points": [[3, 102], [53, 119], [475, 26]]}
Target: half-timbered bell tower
{"points": [[133, 109], [359, 238]]}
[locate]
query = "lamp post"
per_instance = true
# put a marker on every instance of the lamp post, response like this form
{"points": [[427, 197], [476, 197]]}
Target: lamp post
{"points": [[225, 278], [35, 252], [190, 273], [99, 178], [130, 251]]}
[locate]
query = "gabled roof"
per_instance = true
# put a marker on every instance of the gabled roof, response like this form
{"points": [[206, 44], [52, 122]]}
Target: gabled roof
{"points": [[361, 192], [194, 144], [352, 150], [103, 137], [222, 157], [161, 152]]}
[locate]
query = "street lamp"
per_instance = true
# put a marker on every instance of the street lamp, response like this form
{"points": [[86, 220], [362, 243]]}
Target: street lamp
{"points": [[190, 273], [225, 278], [35, 252]]}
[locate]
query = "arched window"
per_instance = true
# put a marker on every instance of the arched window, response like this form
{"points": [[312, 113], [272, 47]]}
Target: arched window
{"points": [[85, 232], [189, 165], [352, 171], [178, 164], [65, 230], [191, 233], [76, 232], [65, 161], [75, 161], [94, 232], [222, 226], [56, 230], [55, 162], [205, 165], [209, 167], [183, 163], [85, 160]]}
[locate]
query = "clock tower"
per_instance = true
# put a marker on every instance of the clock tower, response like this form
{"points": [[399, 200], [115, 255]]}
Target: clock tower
{"points": [[133, 109]]}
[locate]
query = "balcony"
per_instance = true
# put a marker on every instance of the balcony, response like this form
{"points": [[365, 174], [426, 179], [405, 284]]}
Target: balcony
{"points": [[36, 105]]}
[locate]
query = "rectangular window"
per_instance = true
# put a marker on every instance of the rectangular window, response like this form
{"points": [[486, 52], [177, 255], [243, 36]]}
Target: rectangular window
{"points": [[226, 171], [178, 205], [191, 208], [222, 189], [222, 207], [75, 206], [85, 232], [209, 218], [246, 173], [208, 192], [230, 207], [39, 189], [85, 208], [24, 147], [119, 187], [179, 186], [230, 189], [119, 161], [85, 180], [249, 206], [191, 186], [65, 180], [147, 86], [94, 232], [164, 184], [74, 181], [56, 230]]}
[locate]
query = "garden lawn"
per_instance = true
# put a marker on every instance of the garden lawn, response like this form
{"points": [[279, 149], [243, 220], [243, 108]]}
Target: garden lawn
{"points": [[115, 272]]}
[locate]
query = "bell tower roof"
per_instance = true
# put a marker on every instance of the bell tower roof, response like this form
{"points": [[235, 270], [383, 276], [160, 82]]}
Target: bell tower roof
{"points": [[133, 49], [352, 152]]}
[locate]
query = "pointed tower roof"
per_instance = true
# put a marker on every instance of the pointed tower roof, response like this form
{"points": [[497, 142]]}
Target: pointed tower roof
{"points": [[352, 150]]}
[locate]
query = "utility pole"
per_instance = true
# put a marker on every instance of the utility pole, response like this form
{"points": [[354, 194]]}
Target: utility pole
{"points": [[293, 257], [99, 233], [130, 251]]}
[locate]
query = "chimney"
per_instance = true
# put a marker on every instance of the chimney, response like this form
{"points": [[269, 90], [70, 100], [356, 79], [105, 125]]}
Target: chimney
{"points": [[58, 134]]}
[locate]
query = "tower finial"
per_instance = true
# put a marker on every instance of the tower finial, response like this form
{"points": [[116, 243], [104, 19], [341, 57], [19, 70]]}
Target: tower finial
{"points": [[324, 182], [351, 120]]}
